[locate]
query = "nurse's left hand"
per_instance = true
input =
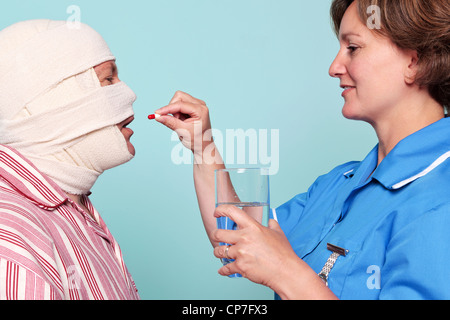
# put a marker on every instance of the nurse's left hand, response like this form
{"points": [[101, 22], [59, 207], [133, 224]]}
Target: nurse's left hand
{"points": [[265, 256], [259, 252]]}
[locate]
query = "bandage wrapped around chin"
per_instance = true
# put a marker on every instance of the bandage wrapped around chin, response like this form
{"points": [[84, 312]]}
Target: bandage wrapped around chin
{"points": [[53, 109]]}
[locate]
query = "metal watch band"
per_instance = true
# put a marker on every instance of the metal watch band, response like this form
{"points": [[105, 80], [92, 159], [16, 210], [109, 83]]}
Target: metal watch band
{"points": [[336, 253]]}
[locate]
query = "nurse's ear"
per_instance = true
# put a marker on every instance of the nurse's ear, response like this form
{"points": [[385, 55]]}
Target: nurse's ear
{"points": [[412, 66]]}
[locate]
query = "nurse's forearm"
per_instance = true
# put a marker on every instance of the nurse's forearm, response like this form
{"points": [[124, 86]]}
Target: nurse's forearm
{"points": [[297, 281], [204, 166]]}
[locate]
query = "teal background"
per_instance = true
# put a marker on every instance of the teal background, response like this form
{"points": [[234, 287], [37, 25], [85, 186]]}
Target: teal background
{"points": [[258, 64]]}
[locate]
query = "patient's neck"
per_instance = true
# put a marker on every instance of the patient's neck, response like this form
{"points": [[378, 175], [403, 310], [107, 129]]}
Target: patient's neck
{"points": [[77, 199]]}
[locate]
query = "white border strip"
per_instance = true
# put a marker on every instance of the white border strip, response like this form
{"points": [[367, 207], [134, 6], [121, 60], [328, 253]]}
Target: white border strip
{"points": [[274, 215], [433, 166], [348, 172]]}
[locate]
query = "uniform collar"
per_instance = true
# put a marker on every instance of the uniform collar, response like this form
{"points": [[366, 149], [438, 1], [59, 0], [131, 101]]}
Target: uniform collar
{"points": [[415, 156], [25, 178]]}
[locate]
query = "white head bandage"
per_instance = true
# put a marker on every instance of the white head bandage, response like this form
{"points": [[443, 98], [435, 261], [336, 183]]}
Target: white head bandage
{"points": [[52, 106]]}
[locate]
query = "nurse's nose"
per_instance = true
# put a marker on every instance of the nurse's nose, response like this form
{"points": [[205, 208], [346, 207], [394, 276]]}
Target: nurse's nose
{"points": [[337, 68]]}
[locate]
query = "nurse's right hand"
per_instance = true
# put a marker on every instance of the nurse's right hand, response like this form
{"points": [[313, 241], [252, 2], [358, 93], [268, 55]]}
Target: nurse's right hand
{"points": [[189, 118]]}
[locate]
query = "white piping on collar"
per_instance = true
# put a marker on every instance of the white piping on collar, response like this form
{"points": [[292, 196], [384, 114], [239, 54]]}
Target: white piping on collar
{"points": [[433, 166], [348, 172]]}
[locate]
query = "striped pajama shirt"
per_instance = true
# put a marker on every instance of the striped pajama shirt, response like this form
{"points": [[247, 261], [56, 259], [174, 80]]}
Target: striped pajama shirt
{"points": [[50, 248]]}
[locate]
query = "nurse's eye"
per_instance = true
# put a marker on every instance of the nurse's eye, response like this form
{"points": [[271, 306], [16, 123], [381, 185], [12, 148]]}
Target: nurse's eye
{"points": [[352, 49]]}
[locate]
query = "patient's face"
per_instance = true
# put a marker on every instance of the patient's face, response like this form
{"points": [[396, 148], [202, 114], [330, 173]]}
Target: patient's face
{"points": [[108, 74]]}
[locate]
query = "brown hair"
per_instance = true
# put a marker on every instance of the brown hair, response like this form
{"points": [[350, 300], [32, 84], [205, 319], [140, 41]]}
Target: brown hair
{"points": [[420, 25]]}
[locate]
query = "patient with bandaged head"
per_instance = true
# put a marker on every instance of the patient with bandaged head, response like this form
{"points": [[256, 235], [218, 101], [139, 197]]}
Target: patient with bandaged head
{"points": [[63, 122]]}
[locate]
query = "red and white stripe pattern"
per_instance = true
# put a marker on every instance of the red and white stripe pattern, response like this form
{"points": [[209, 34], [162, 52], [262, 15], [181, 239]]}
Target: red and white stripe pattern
{"points": [[49, 247]]}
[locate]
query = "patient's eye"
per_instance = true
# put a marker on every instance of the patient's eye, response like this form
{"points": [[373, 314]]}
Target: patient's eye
{"points": [[107, 73]]}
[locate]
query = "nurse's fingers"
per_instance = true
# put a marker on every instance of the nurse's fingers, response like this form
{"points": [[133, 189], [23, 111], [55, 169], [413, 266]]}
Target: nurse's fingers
{"points": [[229, 269], [171, 122], [187, 108], [235, 214], [224, 252], [225, 236], [181, 111]]}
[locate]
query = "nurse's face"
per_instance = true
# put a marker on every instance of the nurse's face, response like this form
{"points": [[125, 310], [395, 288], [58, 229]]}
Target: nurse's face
{"points": [[371, 70]]}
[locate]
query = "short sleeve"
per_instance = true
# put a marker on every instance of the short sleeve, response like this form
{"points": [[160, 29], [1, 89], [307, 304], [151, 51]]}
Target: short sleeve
{"points": [[289, 214], [418, 258]]}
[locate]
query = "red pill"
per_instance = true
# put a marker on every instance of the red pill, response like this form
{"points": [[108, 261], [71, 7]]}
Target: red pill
{"points": [[153, 116]]}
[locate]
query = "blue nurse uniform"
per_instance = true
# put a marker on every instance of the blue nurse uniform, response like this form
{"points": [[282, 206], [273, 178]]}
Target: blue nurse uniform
{"points": [[394, 223]]}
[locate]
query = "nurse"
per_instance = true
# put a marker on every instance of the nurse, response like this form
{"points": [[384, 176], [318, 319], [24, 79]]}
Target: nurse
{"points": [[375, 229]]}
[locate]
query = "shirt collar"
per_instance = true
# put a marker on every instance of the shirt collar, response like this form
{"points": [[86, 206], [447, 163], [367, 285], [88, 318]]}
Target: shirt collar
{"points": [[415, 156], [25, 178]]}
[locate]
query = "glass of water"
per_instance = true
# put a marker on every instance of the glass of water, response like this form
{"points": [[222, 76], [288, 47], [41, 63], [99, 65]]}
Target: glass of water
{"points": [[247, 189]]}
